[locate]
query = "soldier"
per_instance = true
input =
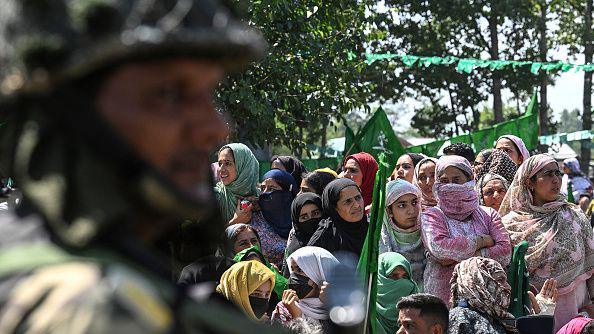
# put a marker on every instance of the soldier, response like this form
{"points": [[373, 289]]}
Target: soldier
{"points": [[108, 129]]}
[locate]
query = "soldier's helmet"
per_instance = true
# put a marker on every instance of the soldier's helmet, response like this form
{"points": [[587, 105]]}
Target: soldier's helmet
{"points": [[44, 42], [49, 44]]}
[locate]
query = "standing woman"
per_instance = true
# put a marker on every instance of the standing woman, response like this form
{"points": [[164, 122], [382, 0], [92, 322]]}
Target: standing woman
{"points": [[424, 179], [361, 168], [514, 147], [345, 228], [458, 228], [559, 235], [401, 229], [491, 189], [498, 163], [238, 171], [405, 166]]}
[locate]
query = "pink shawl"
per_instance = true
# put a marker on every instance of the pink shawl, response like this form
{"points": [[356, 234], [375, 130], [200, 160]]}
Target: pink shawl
{"points": [[457, 201], [559, 234]]}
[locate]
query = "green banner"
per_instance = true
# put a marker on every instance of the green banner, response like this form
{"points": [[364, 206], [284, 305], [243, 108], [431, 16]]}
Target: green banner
{"points": [[467, 65]]}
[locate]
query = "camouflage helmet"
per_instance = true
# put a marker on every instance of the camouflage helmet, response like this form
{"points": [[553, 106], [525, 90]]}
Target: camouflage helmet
{"points": [[44, 42]]}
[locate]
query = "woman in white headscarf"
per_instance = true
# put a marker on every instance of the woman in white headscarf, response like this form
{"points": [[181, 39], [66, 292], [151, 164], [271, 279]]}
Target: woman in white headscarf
{"points": [[309, 268]]}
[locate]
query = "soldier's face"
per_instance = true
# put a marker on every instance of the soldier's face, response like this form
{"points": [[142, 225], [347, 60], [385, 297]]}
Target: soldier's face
{"points": [[164, 110]]}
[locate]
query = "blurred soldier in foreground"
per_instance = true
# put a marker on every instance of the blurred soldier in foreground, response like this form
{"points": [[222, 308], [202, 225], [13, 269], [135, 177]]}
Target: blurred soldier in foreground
{"points": [[108, 128]]}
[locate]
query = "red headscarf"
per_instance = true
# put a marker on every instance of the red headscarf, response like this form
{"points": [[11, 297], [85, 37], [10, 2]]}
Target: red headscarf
{"points": [[368, 167]]}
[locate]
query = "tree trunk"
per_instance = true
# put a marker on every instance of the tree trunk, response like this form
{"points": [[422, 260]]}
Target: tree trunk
{"points": [[542, 46], [495, 75], [587, 101], [324, 140]]}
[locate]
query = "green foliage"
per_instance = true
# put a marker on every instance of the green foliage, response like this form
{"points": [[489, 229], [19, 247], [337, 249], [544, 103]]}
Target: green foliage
{"points": [[307, 82]]}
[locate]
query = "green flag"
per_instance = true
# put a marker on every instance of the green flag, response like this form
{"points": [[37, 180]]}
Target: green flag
{"points": [[377, 136], [367, 266]]}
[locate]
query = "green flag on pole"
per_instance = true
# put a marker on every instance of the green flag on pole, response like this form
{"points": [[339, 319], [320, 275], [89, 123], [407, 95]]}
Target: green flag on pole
{"points": [[350, 142], [367, 266], [377, 136]]}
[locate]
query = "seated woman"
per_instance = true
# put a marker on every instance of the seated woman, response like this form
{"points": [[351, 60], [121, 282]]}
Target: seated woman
{"points": [[210, 268], [393, 283], [345, 228], [405, 166], [498, 163], [401, 229], [306, 213], [290, 165], [309, 269], [424, 179], [514, 147], [254, 254], [278, 191], [316, 181], [361, 168], [480, 296], [491, 189], [249, 286], [558, 232], [458, 228]]}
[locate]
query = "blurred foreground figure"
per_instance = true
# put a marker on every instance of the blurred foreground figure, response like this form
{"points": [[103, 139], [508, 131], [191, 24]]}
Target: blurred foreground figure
{"points": [[109, 126]]}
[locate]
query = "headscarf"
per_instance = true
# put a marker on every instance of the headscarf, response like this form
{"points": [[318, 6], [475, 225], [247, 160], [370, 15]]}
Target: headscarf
{"points": [[498, 163], [369, 168], [389, 291], [415, 157], [245, 185], [301, 235], [575, 326], [317, 264], [457, 201], [349, 236], [292, 165], [232, 232], [559, 235], [472, 281], [574, 165], [318, 180], [427, 200], [276, 205], [519, 145], [280, 283], [396, 189], [327, 170], [486, 178], [241, 280]]}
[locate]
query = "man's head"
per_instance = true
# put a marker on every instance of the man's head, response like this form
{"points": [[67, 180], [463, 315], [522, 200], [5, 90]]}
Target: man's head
{"points": [[461, 149], [422, 314], [116, 97]]}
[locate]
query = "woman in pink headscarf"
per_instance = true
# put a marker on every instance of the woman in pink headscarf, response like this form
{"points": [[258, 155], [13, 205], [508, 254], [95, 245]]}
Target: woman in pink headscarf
{"points": [[514, 146], [559, 234], [458, 228]]}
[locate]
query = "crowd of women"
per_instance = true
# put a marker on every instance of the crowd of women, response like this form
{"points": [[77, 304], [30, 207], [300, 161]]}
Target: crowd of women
{"points": [[453, 226]]}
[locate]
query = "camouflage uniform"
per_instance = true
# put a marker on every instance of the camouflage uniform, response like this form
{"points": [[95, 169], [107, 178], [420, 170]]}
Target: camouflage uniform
{"points": [[69, 260]]}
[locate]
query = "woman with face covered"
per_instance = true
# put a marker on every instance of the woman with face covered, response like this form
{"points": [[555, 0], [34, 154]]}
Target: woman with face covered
{"points": [[458, 228], [345, 228], [306, 213], [249, 286], [393, 283], [401, 229], [559, 235], [309, 269], [480, 296], [273, 225]]}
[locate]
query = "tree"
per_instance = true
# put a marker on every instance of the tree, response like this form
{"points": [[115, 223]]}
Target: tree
{"points": [[307, 81]]}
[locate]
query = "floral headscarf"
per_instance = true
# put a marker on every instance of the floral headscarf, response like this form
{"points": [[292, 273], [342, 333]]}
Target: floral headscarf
{"points": [[559, 234], [498, 163], [472, 280], [483, 180], [427, 200], [457, 201]]}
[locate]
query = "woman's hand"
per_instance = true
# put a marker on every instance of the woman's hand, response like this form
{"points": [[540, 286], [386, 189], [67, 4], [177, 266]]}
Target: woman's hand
{"points": [[290, 301], [546, 297], [241, 216], [484, 241]]}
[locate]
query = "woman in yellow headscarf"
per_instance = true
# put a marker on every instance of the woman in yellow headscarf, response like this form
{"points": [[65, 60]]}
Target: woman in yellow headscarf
{"points": [[248, 285]]}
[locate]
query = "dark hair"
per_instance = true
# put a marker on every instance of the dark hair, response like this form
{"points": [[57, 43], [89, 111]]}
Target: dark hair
{"points": [[416, 158], [589, 328], [231, 241], [486, 153], [461, 149], [318, 181], [432, 308]]}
